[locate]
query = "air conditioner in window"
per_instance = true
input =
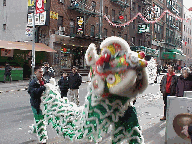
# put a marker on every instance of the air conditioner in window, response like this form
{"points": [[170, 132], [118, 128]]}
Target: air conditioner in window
{"points": [[61, 1]]}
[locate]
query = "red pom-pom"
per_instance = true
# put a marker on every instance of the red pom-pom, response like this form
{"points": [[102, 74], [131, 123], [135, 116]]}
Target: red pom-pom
{"points": [[105, 95], [141, 54]]}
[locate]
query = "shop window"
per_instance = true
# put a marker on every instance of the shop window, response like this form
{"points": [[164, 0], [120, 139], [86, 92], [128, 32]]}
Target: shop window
{"points": [[93, 30], [66, 57], [4, 2], [106, 10], [4, 27], [113, 15], [113, 33]]}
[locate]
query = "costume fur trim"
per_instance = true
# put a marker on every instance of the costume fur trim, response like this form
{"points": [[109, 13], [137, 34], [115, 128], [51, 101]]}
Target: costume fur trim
{"points": [[110, 40], [91, 51]]}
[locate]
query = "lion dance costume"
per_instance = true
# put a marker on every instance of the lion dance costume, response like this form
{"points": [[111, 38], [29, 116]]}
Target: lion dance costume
{"points": [[117, 76]]}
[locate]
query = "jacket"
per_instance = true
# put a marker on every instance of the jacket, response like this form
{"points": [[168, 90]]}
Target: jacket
{"points": [[48, 73], [183, 85], [173, 85], [75, 80], [35, 91], [8, 69], [63, 84]]}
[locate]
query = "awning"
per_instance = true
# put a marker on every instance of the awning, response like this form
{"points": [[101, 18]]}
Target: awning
{"points": [[25, 46], [148, 51], [172, 56]]}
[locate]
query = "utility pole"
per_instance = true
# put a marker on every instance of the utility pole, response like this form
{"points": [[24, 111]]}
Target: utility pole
{"points": [[33, 45], [101, 18]]}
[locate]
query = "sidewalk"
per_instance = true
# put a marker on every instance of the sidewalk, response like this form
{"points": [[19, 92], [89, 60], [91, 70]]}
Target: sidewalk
{"points": [[23, 84]]}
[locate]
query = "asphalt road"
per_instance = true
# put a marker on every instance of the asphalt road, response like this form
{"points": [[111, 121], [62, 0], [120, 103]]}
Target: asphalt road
{"points": [[16, 115]]}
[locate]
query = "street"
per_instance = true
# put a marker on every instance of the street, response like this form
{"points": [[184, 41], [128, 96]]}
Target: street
{"points": [[16, 115]]}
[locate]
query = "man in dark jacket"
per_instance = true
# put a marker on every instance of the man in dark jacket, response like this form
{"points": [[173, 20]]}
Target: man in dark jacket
{"points": [[168, 87], [36, 89], [75, 81], [63, 84], [48, 72], [184, 82], [7, 72]]}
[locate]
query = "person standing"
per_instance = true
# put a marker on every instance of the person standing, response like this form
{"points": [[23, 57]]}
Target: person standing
{"points": [[75, 81], [7, 72], [168, 87], [184, 82], [48, 72], [63, 84], [36, 89]]}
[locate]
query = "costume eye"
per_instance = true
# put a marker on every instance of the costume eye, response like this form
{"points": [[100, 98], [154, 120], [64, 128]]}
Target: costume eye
{"points": [[105, 51], [110, 79]]}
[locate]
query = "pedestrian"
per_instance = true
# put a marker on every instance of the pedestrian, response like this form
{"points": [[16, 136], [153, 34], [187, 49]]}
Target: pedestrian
{"points": [[75, 81], [168, 87], [63, 84], [48, 72], [7, 72], [36, 89], [184, 82], [158, 69]]}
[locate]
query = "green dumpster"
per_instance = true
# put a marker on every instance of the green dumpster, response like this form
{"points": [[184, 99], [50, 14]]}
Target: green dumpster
{"points": [[16, 74]]}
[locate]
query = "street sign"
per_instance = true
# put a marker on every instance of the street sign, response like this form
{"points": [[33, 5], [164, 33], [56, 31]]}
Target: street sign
{"points": [[179, 116], [29, 32]]}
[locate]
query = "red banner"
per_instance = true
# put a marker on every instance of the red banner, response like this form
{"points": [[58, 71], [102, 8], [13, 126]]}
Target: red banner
{"points": [[39, 6]]}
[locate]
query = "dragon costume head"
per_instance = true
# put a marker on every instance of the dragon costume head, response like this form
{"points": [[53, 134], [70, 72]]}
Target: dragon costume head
{"points": [[117, 70]]}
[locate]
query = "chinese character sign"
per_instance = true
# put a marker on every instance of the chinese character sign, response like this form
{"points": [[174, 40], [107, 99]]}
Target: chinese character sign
{"points": [[39, 6], [80, 25]]}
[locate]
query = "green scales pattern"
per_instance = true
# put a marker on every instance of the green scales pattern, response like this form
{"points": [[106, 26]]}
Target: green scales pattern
{"points": [[90, 122]]}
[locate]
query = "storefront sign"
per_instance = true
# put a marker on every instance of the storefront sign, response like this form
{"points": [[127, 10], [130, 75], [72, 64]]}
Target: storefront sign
{"points": [[40, 19], [7, 52], [39, 6], [179, 117], [80, 25], [54, 15]]}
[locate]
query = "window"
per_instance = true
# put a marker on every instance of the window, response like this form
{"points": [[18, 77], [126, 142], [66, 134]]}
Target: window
{"points": [[113, 15], [106, 10], [133, 24], [4, 27], [93, 5], [139, 8], [4, 2], [125, 18], [72, 26], [113, 33], [60, 21], [125, 37], [93, 30], [105, 32], [133, 40], [133, 6], [188, 51], [119, 34]]}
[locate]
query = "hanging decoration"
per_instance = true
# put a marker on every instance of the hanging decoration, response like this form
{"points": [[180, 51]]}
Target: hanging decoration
{"points": [[121, 17], [144, 19]]}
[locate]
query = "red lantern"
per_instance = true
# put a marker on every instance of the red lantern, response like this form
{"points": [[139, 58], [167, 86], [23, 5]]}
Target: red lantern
{"points": [[121, 17], [65, 50]]}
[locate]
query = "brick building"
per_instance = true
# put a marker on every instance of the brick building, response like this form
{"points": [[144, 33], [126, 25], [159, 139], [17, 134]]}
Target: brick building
{"points": [[74, 24]]}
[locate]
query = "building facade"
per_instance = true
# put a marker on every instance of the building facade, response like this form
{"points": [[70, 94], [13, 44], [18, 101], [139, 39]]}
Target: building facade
{"points": [[187, 37], [13, 20], [167, 33]]}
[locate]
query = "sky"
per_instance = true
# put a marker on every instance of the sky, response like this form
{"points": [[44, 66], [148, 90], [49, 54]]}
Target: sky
{"points": [[187, 3]]}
